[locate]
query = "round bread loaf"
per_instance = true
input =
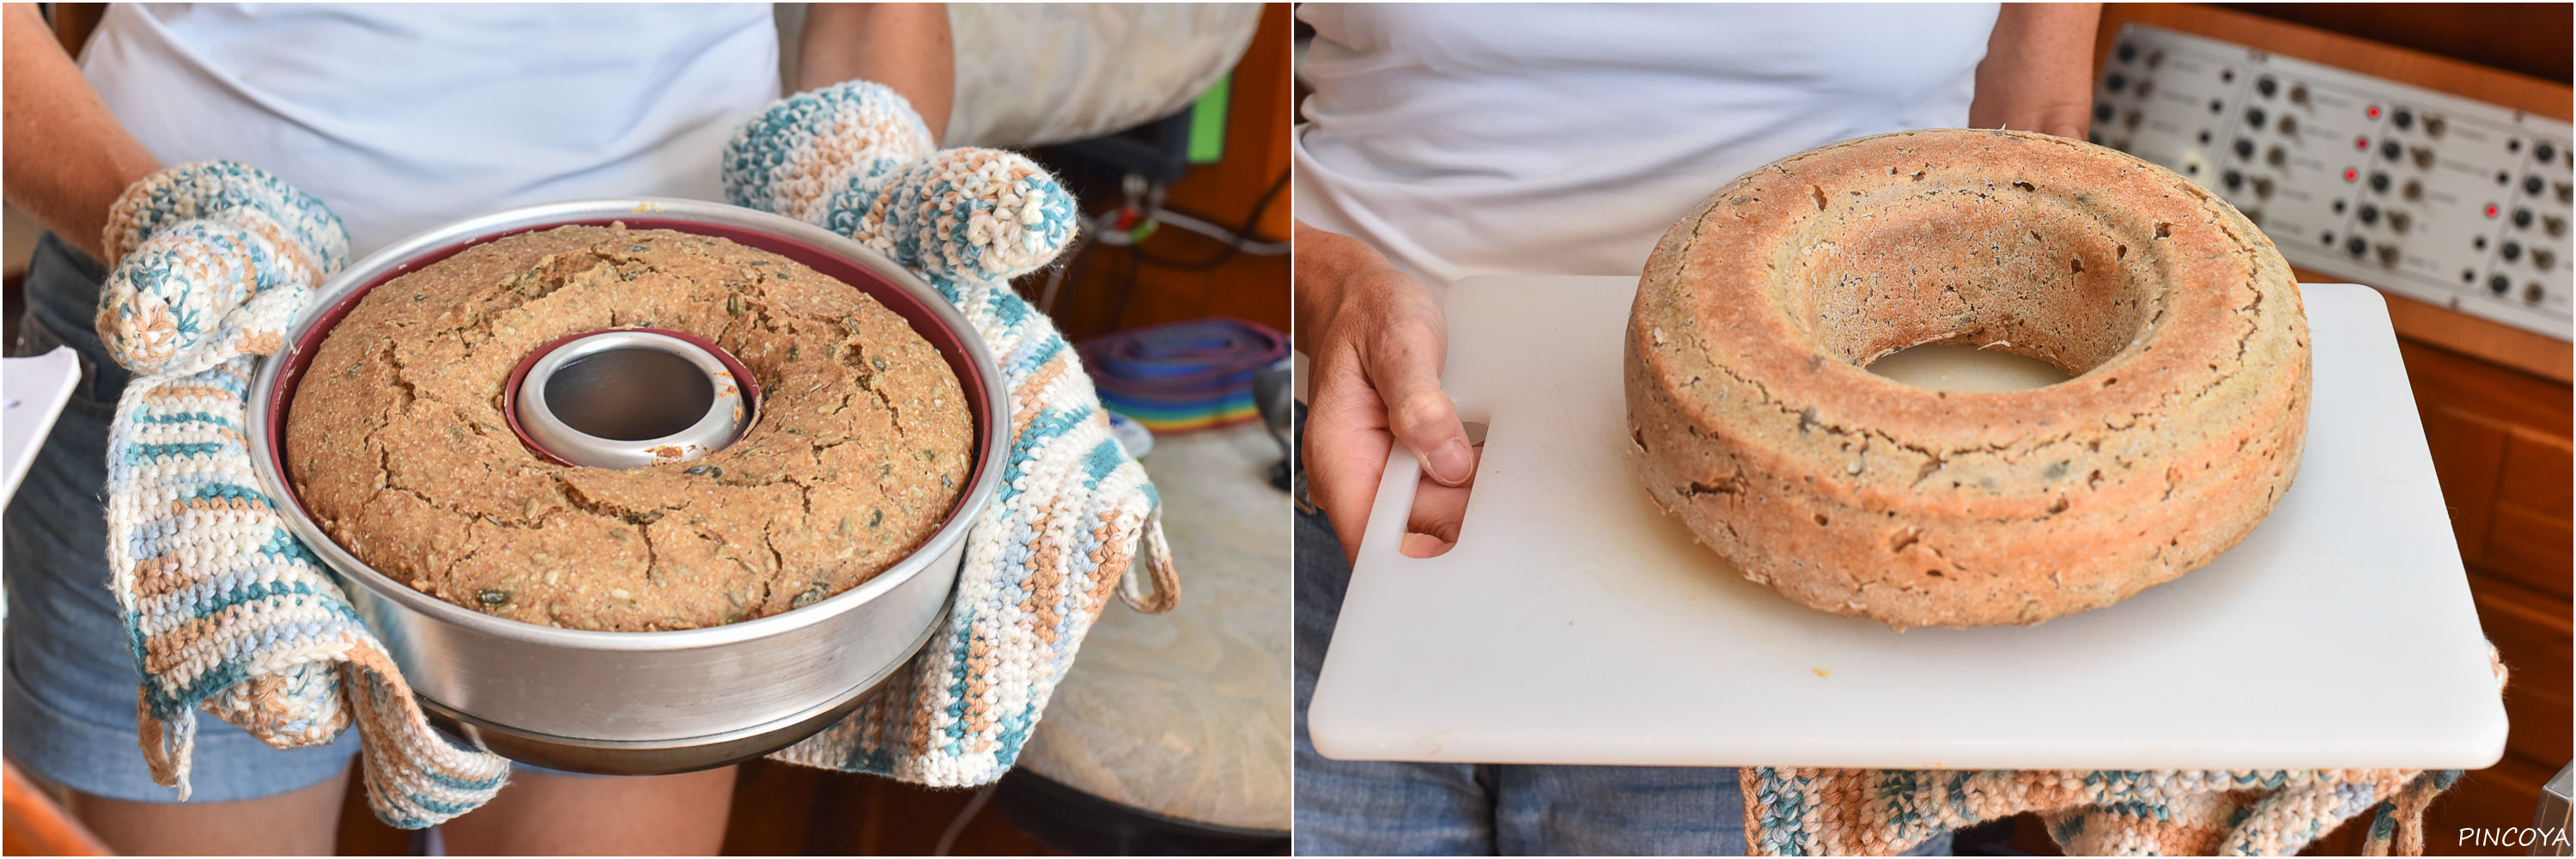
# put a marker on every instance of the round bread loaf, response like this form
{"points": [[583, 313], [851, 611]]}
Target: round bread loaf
{"points": [[1758, 427], [396, 443]]}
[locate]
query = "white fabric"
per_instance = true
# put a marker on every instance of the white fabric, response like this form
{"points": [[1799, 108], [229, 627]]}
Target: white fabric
{"points": [[1540, 139], [405, 117], [1030, 74]]}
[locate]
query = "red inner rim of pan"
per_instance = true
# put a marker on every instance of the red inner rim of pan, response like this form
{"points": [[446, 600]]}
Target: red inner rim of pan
{"points": [[951, 344]]}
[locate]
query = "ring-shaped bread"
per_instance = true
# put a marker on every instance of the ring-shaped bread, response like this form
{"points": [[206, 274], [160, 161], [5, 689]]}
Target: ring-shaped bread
{"points": [[1849, 492]]}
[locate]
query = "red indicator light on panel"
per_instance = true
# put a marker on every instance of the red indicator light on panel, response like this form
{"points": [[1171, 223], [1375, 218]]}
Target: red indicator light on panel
{"points": [[2374, 111], [2491, 210], [2361, 143], [2352, 175]]}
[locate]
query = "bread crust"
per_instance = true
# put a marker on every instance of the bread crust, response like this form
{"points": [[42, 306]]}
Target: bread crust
{"points": [[1849, 492]]}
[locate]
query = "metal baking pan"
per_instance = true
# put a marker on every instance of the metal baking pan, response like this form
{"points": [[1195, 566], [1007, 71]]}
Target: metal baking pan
{"points": [[649, 702]]}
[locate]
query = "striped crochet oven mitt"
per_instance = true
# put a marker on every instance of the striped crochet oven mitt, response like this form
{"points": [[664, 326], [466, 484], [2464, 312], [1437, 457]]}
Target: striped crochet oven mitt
{"points": [[1857, 812], [1827, 812], [226, 611], [1074, 510]]}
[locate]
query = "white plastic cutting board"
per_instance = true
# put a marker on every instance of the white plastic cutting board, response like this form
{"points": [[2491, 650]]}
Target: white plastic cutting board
{"points": [[1575, 623]]}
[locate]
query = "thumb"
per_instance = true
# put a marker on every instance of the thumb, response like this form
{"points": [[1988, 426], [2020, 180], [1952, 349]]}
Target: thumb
{"points": [[967, 214], [1421, 415]]}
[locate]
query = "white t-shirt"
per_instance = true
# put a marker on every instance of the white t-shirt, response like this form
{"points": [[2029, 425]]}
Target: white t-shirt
{"points": [[405, 117], [1543, 139]]}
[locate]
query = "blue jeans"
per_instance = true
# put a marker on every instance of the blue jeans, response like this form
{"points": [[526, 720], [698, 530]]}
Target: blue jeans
{"points": [[1402, 808], [69, 688]]}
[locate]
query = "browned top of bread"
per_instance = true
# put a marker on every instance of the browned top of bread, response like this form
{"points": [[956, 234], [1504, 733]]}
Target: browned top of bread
{"points": [[397, 445]]}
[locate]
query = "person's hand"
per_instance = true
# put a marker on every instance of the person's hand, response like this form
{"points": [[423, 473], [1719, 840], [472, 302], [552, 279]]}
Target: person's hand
{"points": [[1375, 341]]}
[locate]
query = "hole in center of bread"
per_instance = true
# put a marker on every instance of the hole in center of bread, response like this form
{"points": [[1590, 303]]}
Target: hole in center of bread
{"points": [[629, 394], [1960, 367], [2009, 267]]}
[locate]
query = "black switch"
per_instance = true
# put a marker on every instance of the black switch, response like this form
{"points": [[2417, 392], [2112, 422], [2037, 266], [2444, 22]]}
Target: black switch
{"points": [[2379, 181], [2533, 186], [2116, 82], [2391, 151], [2402, 119], [2102, 112], [2545, 152], [2233, 179], [2522, 217], [2369, 214], [2267, 86], [2254, 117], [2512, 251], [2128, 52], [2355, 245], [2245, 149], [2499, 285]]}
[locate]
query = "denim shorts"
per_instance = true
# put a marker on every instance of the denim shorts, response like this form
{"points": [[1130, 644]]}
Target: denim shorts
{"points": [[70, 673], [1424, 809]]}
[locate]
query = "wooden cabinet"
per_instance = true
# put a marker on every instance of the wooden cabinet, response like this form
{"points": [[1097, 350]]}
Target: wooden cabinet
{"points": [[2500, 442]]}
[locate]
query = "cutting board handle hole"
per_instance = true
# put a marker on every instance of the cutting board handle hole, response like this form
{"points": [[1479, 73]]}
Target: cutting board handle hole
{"points": [[1439, 515]]}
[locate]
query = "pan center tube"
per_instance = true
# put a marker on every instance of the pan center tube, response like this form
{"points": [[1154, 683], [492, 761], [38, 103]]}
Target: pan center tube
{"points": [[630, 398]]}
